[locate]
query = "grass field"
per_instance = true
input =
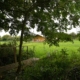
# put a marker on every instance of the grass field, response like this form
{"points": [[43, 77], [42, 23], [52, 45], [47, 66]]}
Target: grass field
{"points": [[42, 49]]}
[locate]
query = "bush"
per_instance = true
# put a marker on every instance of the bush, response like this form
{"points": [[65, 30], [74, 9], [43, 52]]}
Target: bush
{"points": [[27, 54], [6, 54], [49, 68], [57, 66]]}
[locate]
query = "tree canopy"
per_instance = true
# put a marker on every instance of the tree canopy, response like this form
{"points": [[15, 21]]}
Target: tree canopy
{"points": [[50, 16]]}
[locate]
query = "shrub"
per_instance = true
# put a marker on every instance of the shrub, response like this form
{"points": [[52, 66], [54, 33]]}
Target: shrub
{"points": [[27, 54], [49, 68], [6, 54], [57, 66]]}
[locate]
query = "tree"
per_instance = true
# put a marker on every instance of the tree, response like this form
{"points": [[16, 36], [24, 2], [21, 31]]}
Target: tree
{"points": [[51, 17], [0, 38], [78, 35], [73, 35], [7, 38]]}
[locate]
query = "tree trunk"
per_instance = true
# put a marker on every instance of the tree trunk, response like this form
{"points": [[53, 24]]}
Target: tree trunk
{"points": [[20, 46], [26, 15], [15, 56]]}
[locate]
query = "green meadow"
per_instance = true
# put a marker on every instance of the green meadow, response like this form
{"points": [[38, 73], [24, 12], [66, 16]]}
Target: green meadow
{"points": [[43, 49]]}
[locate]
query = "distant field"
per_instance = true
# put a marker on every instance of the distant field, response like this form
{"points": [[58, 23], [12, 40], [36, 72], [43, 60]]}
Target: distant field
{"points": [[42, 49]]}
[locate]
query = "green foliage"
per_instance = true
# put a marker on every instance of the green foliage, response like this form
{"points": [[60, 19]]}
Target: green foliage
{"points": [[28, 36], [27, 54], [58, 66], [55, 38], [78, 36], [6, 54], [49, 68], [73, 35], [0, 38], [49, 15], [17, 38], [43, 13], [7, 38]]}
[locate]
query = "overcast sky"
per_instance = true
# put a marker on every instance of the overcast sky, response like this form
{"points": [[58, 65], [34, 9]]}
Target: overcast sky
{"points": [[2, 33]]}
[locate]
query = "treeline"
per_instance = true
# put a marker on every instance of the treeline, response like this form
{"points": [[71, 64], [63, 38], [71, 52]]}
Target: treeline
{"points": [[9, 38], [17, 38], [75, 36]]}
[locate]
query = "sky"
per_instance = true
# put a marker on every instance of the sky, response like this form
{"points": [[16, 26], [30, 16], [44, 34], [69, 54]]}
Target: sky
{"points": [[2, 33], [75, 30]]}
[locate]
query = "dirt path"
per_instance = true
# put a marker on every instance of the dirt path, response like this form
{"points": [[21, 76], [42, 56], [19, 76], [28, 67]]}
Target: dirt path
{"points": [[15, 65]]}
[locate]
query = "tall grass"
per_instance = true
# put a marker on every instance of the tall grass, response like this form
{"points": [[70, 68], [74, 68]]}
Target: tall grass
{"points": [[42, 49]]}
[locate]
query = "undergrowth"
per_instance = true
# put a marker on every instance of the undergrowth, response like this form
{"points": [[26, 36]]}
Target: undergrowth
{"points": [[57, 66]]}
